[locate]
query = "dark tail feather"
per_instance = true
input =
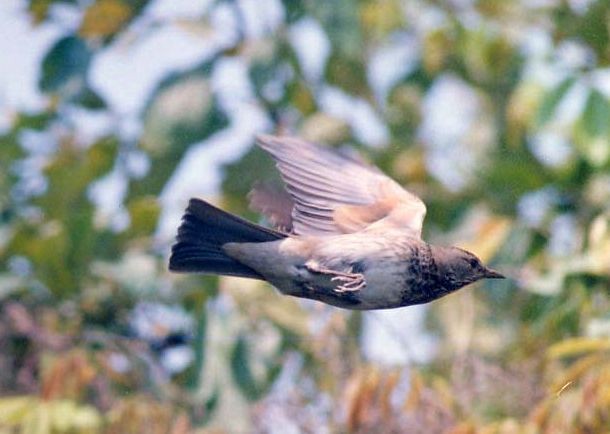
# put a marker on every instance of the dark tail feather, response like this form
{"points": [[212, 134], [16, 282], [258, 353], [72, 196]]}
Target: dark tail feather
{"points": [[203, 232]]}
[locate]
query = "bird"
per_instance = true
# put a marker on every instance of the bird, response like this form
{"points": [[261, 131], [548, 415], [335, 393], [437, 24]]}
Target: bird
{"points": [[345, 234]]}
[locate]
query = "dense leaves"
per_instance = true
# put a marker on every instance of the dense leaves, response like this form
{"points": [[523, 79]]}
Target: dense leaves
{"points": [[496, 113]]}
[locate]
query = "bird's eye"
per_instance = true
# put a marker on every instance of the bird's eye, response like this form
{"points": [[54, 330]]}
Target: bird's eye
{"points": [[474, 263]]}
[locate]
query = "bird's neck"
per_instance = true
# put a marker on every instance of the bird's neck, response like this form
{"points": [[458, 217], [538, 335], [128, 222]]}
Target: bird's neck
{"points": [[431, 273], [428, 265], [424, 279], [444, 278]]}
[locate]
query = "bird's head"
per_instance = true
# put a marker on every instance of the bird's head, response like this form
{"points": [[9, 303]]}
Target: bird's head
{"points": [[459, 267]]}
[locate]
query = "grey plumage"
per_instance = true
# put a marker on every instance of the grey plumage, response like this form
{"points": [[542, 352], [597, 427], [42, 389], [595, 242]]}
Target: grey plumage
{"points": [[355, 236], [203, 232]]}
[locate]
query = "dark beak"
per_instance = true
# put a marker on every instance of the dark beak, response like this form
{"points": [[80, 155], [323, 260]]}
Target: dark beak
{"points": [[493, 274]]}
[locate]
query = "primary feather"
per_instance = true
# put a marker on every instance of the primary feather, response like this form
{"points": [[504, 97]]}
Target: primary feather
{"points": [[335, 194]]}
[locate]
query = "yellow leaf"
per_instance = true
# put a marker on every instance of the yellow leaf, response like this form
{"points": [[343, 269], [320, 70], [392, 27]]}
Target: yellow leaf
{"points": [[38, 420], [437, 50], [575, 346], [14, 409], [36, 416], [576, 371], [360, 396], [409, 166], [382, 17], [67, 416], [303, 99], [599, 231], [262, 301], [521, 109], [143, 212], [483, 233], [415, 392], [104, 18], [322, 127], [443, 388], [39, 10]]}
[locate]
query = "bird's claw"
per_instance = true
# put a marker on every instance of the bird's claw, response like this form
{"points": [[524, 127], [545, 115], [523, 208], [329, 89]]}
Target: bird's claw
{"points": [[352, 282]]}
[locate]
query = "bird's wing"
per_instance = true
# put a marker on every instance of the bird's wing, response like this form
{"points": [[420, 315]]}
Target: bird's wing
{"points": [[274, 203], [335, 194]]}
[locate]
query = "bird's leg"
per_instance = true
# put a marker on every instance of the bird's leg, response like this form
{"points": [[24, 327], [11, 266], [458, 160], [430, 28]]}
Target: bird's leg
{"points": [[349, 281]]}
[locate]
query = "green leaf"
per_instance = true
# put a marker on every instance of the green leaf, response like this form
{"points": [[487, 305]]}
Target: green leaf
{"points": [[515, 173], [589, 27], [182, 111], [62, 247], [47, 248], [34, 121], [294, 10], [210, 405], [593, 28], [347, 73], [382, 17], [100, 157], [200, 346], [144, 212], [592, 131], [488, 57], [251, 387], [65, 66], [341, 22], [240, 367], [255, 166], [551, 100], [596, 116], [10, 151], [71, 171], [90, 99]]}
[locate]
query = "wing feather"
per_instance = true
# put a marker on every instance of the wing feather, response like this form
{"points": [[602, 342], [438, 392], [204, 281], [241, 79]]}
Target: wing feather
{"points": [[334, 193]]}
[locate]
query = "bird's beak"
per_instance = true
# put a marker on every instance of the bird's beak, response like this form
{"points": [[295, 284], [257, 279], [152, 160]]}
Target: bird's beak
{"points": [[493, 274]]}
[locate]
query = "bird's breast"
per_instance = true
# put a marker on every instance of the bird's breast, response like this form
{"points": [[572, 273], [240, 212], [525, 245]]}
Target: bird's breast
{"points": [[388, 263]]}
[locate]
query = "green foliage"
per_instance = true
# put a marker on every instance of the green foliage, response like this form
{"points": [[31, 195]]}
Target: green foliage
{"points": [[64, 72], [551, 100], [70, 276], [66, 62], [242, 373], [183, 110]]}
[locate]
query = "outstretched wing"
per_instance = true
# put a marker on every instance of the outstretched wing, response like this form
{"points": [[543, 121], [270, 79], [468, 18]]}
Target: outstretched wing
{"points": [[334, 194]]}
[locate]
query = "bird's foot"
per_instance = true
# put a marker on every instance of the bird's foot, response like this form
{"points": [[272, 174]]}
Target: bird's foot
{"points": [[349, 281]]}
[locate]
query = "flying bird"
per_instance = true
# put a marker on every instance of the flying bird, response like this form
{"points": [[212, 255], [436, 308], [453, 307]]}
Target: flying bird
{"points": [[346, 235]]}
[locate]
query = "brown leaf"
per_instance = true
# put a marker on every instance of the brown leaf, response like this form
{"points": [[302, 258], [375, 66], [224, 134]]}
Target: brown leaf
{"points": [[104, 18]]}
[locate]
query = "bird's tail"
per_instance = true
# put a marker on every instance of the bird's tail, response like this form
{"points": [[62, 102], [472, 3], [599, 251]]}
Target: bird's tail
{"points": [[203, 232]]}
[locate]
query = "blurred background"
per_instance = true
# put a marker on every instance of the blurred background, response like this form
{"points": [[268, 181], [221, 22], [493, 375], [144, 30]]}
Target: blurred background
{"points": [[113, 113]]}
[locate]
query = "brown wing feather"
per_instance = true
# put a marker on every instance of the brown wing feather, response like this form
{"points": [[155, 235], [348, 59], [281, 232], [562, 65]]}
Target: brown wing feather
{"points": [[334, 193], [351, 218], [275, 204]]}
